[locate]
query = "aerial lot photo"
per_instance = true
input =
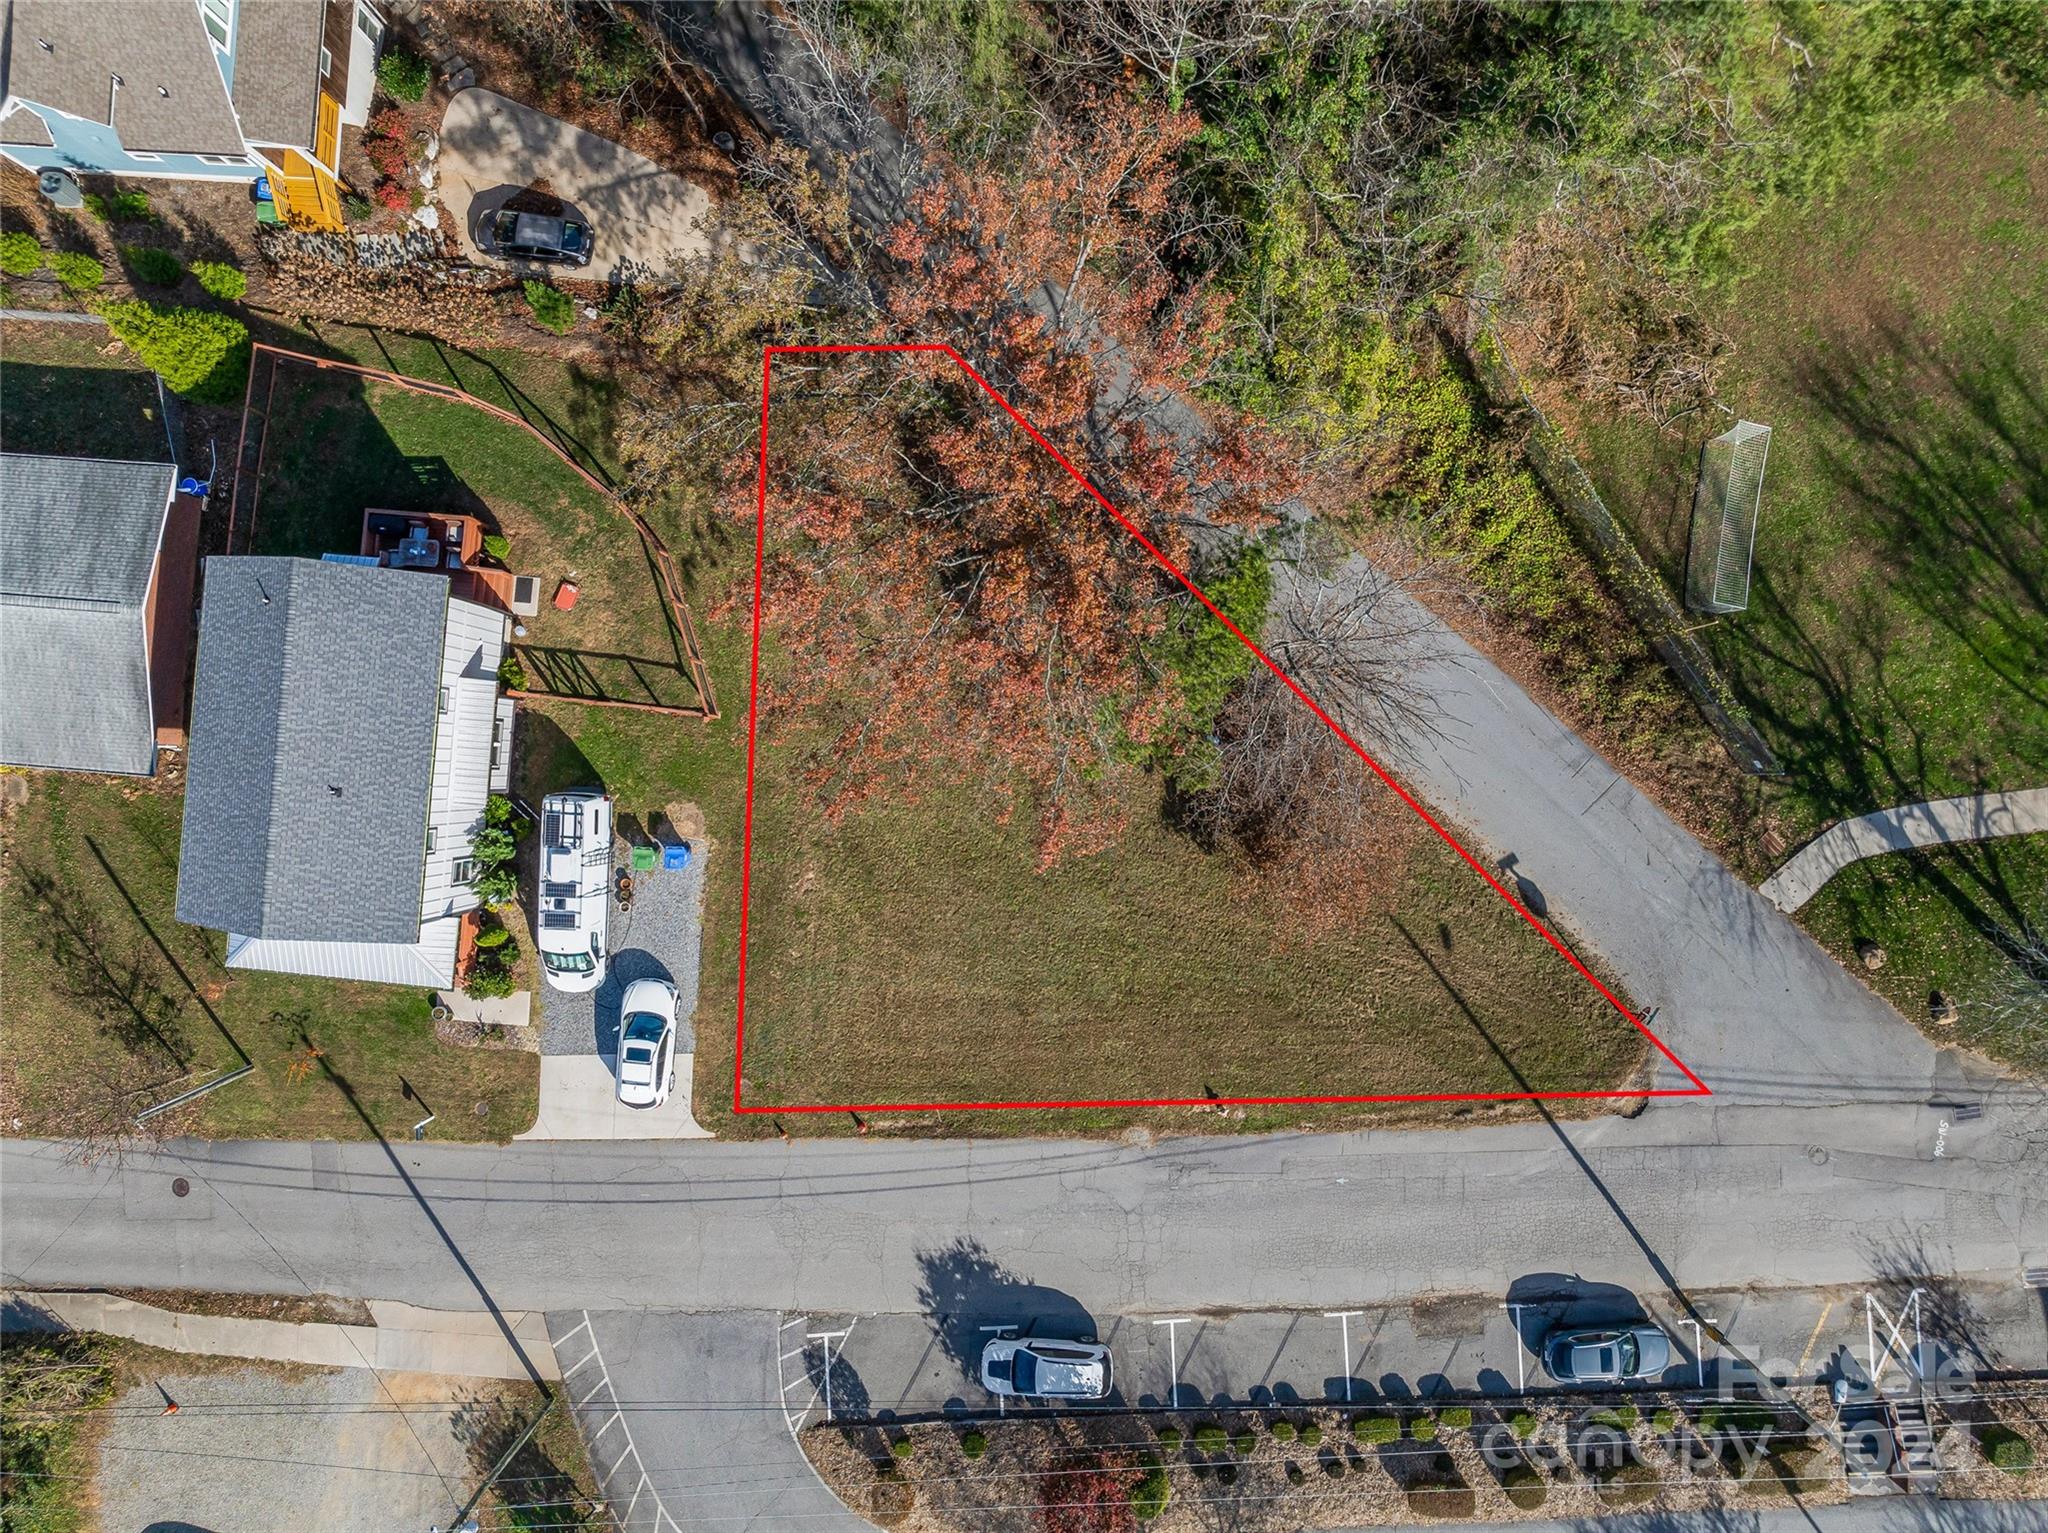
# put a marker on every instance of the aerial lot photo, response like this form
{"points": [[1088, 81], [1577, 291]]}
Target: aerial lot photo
{"points": [[971, 765]]}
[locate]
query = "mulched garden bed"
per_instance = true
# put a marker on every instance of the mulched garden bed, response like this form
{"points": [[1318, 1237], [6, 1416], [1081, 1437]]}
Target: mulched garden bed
{"points": [[1323, 1467]]}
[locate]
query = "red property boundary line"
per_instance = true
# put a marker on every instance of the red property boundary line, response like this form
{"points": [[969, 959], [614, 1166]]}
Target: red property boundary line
{"points": [[1698, 1087]]}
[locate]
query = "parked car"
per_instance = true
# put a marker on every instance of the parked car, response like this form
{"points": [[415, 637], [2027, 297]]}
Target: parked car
{"points": [[1606, 1355], [647, 1043], [537, 237], [575, 887], [1045, 1370]]}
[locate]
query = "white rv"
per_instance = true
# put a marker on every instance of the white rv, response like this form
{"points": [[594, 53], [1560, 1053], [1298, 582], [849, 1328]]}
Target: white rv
{"points": [[575, 887]]}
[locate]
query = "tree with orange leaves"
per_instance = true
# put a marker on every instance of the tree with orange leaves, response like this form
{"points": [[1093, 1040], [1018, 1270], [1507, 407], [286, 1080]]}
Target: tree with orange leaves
{"points": [[955, 603]]}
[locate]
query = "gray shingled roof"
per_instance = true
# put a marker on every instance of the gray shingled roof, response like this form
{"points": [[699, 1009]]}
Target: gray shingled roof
{"points": [[312, 751], [21, 126], [78, 542], [155, 46], [277, 70]]}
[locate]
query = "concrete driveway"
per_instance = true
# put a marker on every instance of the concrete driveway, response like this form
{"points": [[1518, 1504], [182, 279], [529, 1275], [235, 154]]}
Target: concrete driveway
{"points": [[639, 214], [579, 1040]]}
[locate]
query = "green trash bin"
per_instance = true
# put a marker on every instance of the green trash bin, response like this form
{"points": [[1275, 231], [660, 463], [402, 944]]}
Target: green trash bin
{"points": [[644, 858]]}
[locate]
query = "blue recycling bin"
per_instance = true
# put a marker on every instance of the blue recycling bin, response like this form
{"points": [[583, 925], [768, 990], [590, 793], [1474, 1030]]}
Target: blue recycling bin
{"points": [[675, 855]]}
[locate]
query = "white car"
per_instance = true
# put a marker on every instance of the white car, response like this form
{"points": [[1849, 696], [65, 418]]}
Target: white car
{"points": [[1046, 1370], [647, 1043], [575, 887]]}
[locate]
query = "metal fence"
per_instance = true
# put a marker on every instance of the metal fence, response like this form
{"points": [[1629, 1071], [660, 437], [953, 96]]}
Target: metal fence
{"points": [[1646, 598], [1724, 514]]}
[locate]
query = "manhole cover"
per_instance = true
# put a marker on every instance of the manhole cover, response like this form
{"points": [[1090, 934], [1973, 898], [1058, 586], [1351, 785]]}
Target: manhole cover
{"points": [[1817, 1155], [179, 1187], [483, 1109]]}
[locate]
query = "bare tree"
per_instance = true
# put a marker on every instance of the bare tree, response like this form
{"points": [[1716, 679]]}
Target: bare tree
{"points": [[1310, 813], [1181, 43]]}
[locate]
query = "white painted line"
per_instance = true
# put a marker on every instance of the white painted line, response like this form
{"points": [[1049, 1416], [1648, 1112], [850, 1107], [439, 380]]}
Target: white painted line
{"points": [[584, 1326], [800, 1320], [1699, 1352], [1173, 1342], [1521, 1358], [609, 1422], [602, 1383], [632, 1449], [624, 1454], [579, 1363], [828, 1337], [1343, 1318]]}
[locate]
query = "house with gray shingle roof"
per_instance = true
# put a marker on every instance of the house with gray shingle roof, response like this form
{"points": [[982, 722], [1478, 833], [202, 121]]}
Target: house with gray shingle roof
{"points": [[89, 609], [214, 90], [343, 721]]}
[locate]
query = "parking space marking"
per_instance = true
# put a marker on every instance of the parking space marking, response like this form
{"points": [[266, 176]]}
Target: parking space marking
{"points": [[642, 1483], [1804, 1357], [1343, 1318], [1173, 1342]]}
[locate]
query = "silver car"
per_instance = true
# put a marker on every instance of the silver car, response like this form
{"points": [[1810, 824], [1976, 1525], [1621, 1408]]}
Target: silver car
{"points": [[1046, 1370], [1606, 1354]]}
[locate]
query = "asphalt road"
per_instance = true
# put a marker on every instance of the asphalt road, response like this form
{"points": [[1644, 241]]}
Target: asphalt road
{"points": [[1711, 1197]]}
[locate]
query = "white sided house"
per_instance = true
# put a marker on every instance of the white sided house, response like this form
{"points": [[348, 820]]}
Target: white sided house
{"points": [[340, 760]]}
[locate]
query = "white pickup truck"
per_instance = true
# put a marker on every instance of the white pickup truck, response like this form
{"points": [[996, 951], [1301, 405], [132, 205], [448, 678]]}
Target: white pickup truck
{"points": [[575, 887]]}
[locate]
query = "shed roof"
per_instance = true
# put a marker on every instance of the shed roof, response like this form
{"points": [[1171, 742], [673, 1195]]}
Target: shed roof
{"points": [[172, 99], [312, 753], [78, 545]]}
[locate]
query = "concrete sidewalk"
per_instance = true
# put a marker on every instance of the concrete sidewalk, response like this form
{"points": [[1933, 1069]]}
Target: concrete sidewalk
{"points": [[1980, 817], [404, 1337]]}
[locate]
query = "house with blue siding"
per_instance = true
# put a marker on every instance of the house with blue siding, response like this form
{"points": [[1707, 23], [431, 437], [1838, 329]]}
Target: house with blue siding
{"points": [[211, 90]]}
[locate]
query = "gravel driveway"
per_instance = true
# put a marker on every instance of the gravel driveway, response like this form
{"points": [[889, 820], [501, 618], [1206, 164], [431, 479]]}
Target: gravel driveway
{"points": [[329, 1446], [656, 939]]}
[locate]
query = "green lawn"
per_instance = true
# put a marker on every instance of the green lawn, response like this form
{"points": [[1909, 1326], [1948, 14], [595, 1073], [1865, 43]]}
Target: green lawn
{"points": [[1931, 912], [106, 987], [1896, 340], [60, 394]]}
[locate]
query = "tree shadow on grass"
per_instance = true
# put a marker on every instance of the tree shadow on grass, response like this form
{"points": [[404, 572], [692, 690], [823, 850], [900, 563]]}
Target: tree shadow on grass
{"points": [[116, 982], [1948, 464]]}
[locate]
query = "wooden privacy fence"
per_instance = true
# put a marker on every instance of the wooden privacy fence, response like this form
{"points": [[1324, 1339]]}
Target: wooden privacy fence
{"points": [[664, 563]]}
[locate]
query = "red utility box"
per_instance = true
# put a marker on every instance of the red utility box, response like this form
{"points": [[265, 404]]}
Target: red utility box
{"points": [[565, 595]]}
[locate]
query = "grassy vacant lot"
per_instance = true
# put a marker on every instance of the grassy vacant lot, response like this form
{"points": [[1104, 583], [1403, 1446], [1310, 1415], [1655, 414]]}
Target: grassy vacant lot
{"points": [[1894, 338], [913, 954]]}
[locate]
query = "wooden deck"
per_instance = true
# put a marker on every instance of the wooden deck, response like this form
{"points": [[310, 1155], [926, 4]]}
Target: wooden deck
{"points": [[456, 537]]}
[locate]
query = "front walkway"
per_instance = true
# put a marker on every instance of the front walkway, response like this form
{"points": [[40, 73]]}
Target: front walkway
{"points": [[1980, 817]]}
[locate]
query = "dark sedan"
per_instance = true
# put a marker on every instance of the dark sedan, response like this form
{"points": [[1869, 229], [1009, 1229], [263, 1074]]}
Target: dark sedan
{"points": [[537, 237]]}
